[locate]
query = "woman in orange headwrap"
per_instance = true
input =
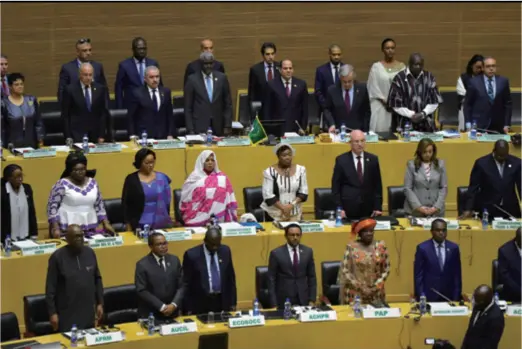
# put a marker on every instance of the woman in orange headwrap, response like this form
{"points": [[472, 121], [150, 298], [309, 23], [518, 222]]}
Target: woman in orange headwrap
{"points": [[365, 266]]}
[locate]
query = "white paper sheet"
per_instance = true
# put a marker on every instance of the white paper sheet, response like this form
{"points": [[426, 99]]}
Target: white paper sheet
{"points": [[21, 150], [237, 125], [291, 134], [61, 148], [25, 244], [195, 138]]}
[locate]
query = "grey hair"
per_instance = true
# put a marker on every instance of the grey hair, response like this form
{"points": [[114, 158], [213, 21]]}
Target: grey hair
{"points": [[206, 56], [150, 68], [85, 64], [489, 57], [347, 69]]}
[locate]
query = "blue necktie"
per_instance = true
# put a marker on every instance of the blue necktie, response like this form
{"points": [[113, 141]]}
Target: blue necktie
{"points": [[441, 261], [142, 72], [214, 273], [87, 98], [154, 100], [336, 80], [491, 94], [209, 87]]}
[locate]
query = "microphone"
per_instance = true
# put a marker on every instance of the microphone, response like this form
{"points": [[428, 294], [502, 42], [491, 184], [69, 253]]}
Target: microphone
{"points": [[69, 142], [450, 302], [10, 147], [488, 131], [506, 212], [300, 128]]}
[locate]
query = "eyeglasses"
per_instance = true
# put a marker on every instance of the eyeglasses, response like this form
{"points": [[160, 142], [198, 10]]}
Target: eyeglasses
{"points": [[83, 41]]}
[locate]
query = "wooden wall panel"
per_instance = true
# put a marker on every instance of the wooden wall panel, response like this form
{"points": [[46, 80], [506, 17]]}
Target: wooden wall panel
{"points": [[39, 37]]}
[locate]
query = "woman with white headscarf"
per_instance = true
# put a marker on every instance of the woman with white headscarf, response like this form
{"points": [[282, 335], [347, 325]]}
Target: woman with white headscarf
{"points": [[206, 192], [285, 186]]}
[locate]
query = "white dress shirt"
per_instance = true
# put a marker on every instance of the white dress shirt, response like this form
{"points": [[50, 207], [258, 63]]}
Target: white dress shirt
{"points": [[157, 95], [216, 261], [164, 266], [291, 251], [19, 212], [442, 250], [355, 160], [428, 109], [335, 72], [271, 68], [289, 84]]}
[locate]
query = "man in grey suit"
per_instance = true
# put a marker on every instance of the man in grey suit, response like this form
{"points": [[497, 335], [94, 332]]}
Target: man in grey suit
{"points": [[207, 100], [291, 271], [159, 281]]}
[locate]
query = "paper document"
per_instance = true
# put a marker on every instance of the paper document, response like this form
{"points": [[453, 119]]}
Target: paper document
{"points": [[195, 138], [291, 134], [80, 145], [21, 150], [25, 244], [237, 125], [230, 225]]}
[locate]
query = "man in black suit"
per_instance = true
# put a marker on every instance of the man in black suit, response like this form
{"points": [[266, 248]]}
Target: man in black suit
{"points": [[347, 103], [151, 109], [207, 100], [509, 261], [69, 71], [196, 66], [495, 180], [291, 271], [287, 99], [209, 276], [159, 281], [327, 75], [262, 73], [85, 108], [486, 324], [356, 181]]}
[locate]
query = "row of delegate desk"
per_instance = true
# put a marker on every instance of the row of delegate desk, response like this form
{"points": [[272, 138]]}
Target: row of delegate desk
{"points": [[346, 332], [244, 166], [25, 275]]}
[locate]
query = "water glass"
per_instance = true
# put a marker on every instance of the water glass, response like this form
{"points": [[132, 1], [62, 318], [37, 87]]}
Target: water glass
{"points": [[210, 319]]}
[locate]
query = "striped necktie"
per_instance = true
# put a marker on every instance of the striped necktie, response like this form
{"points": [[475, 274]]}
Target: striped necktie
{"points": [[491, 93]]}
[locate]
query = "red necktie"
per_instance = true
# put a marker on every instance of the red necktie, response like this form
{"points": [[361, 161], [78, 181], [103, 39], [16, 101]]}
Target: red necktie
{"points": [[347, 101], [296, 261], [5, 90], [269, 76], [287, 89], [359, 169]]}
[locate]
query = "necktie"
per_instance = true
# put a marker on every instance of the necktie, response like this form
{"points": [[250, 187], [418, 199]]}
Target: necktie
{"points": [[476, 318], [214, 273], [501, 169], [359, 169], [347, 101], [490, 90], [208, 81], [5, 89], [162, 264], [154, 100], [439, 255], [269, 75], [336, 75], [87, 98], [142, 72], [295, 262], [287, 89]]}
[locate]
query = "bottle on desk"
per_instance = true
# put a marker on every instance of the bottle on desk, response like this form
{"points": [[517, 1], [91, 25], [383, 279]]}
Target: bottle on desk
{"points": [[423, 304], [145, 233], [255, 310], [413, 304], [74, 336], [287, 313], [150, 324], [343, 133], [338, 217], [485, 219], [85, 144], [144, 138], [209, 137], [357, 308], [496, 298], [406, 134], [8, 246], [473, 130]]}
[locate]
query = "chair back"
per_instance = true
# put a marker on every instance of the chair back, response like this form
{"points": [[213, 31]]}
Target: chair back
{"points": [[462, 193], [495, 280], [324, 203], [243, 110], [329, 272], [448, 112], [179, 121], [253, 198], [119, 125], [36, 315], [114, 210], [176, 194], [10, 329], [262, 293], [516, 117], [54, 127], [396, 199], [120, 304]]}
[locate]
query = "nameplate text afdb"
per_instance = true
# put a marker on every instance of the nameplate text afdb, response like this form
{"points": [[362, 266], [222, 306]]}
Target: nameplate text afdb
{"points": [[514, 310], [298, 140], [105, 148], [171, 329], [246, 321], [506, 225], [106, 242], [318, 316], [450, 311], [103, 338], [243, 231], [177, 235], [39, 153], [381, 313], [40, 249], [312, 227], [491, 138], [383, 225], [168, 144], [234, 142]]}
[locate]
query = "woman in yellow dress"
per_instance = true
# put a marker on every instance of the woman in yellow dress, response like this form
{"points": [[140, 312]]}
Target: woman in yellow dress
{"points": [[365, 267]]}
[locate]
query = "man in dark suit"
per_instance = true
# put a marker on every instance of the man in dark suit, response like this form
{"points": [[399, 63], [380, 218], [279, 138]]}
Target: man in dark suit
{"points": [[209, 276], [486, 324], [69, 71], [85, 108], [495, 180], [488, 100], [509, 261], [151, 108], [327, 75], [356, 181], [291, 271], [131, 73], [4, 65], [437, 266], [347, 103], [159, 281], [196, 66], [262, 73], [207, 100], [287, 99]]}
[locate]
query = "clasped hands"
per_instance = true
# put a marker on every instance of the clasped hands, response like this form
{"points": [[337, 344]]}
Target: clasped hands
{"points": [[287, 210], [169, 309], [428, 211]]}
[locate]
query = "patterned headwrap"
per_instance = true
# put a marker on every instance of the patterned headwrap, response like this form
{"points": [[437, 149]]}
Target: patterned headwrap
{"points": [[363, 224]]}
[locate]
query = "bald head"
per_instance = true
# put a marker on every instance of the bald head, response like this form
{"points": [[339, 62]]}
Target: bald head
{"points": [[74, 236], [501, 150], [416, 63], [86, 72], [357, 141], [490, 67], [483, 296], [207, 46], [213, 239]]}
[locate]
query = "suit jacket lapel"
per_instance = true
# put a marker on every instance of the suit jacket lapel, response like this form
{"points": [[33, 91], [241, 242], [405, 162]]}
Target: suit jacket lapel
{"points": [[203, 85], [494, 167], [215, 87], [203, 261], [134, 68]]}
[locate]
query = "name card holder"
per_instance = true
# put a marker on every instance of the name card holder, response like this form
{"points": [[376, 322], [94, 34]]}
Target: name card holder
{"points": [[106, 242], [514, 310], [383, 225], [243, 231], [178, 235], [451, 224], [382, 313], [105, 148], [451, 311], [172, 329], [320, 316], [491, 138], [298, 140], [246, 321], [168, 144], [312, 227], [372, 138], [506, 225], [39, 153], [433, 136], [234, 142], [37, 250], [103, 338]]}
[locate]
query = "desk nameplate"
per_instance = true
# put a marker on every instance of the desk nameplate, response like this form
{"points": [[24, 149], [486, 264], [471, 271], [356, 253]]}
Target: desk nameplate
{"points": [[506, 225], [103, 338], [381, 313], [168, 144], [172, 329], [105, 148], [234, 142], [243, 231], [298, 140], [246, 321], [39, 153], [177, 235], [319, 316], [106, 242], [491, 138], [514, 310], [37, 250]]}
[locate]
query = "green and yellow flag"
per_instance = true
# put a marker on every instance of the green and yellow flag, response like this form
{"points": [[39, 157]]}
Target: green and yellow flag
{"points": [[257, 133]]}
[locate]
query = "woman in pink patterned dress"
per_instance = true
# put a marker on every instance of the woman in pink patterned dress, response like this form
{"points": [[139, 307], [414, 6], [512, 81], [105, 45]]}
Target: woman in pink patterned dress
{"points": [[206, 192], [365, 267]]}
